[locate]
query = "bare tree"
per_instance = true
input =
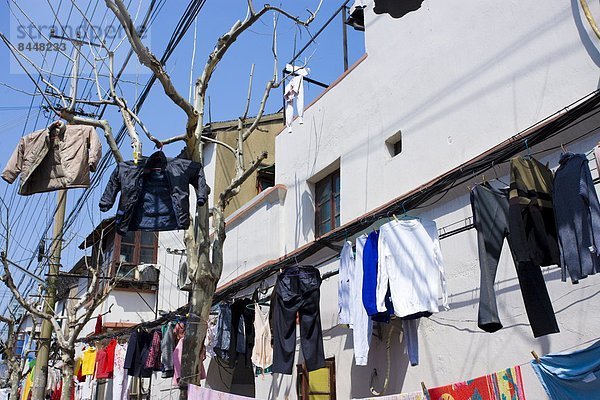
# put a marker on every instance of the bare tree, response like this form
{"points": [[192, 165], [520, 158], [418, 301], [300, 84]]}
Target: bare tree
{"points": [[78, 313], [16, 362], [204, 251], [205, 265]]}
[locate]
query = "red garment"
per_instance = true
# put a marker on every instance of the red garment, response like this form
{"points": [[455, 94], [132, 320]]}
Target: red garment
{"points": [[178, 331], [57, 393], [153, 360], [110, 357], [98, 328], [101, 365]]}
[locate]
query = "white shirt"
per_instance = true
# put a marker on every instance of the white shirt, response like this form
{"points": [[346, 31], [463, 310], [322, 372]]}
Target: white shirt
{"points": [[410, 261]]}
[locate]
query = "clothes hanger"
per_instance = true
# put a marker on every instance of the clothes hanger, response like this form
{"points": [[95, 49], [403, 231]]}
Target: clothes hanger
{"points": [[405, 216]]}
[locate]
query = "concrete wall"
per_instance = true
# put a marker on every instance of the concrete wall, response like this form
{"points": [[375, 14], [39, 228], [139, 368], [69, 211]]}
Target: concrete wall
{"points": [[259, 141], [456, 78]]}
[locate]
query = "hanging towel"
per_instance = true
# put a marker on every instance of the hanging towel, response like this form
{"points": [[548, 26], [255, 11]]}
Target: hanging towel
{"points": [[294, 90], [202, 393], [571, 376], [505, 384]]}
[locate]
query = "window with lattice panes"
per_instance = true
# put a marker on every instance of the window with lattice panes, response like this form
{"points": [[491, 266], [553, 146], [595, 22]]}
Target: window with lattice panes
{"points": [[327, 203], [318, 384]]}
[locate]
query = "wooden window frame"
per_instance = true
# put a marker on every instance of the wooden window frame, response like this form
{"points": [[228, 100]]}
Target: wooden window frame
{"points": [[331, 178], [302, 384], [137, 245]]}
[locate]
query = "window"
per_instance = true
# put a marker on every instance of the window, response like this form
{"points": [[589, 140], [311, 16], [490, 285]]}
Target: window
{"points": [[327, 203], [394, 144], [317, 385], [265, 178], [136, 248]]}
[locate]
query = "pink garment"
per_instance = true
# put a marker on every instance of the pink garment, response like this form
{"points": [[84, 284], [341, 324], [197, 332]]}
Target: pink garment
{"points": [[597, 156], [177, 362], [202, 393]]}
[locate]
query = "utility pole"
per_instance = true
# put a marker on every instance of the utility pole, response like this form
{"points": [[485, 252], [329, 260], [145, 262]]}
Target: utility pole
{"points": [[41, 365]]}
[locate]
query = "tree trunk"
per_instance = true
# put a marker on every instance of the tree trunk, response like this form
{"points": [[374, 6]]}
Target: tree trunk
{"points": [[15, 379], [204, 283], [68, 367]]}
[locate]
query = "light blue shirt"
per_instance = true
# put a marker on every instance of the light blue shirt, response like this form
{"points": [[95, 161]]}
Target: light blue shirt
{"points": [[571, 376]]}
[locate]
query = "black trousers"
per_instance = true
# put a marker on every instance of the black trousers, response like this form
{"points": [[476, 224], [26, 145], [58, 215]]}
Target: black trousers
{"points": [[297, 291], [493, 221]]}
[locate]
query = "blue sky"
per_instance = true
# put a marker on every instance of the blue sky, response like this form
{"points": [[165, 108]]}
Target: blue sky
{"points": [[227, 90]]}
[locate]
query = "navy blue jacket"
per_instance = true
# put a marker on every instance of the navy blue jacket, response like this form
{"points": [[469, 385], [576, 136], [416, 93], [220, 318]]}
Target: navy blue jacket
{"points": [[154, 193], [577, 214]]}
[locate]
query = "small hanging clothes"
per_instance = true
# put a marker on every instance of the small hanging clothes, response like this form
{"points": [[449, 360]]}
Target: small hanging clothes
{"points": [[177, 353], [167, 345], [262, 353], [154, 353], [88, 361], [362, 325], [344, 283], [505, 384], [294, 90], [120, 377], [573, 376]]}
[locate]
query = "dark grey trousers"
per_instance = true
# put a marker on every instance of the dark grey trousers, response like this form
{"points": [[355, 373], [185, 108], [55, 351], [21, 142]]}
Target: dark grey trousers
{"points": [[491, 219]]}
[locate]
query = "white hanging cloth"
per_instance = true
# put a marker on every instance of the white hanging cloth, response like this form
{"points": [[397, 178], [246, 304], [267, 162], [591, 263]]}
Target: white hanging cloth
{"points": [[294, 90]]}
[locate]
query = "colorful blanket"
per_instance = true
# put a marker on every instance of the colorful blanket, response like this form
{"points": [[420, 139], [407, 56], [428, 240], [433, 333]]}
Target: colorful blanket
{"points": [[503, 385]]}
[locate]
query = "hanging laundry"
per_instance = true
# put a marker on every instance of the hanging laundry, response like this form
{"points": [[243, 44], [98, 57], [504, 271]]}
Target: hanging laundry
{"points": [[344, 283], [294, 90], [505, 384], [154, 352], [362, 325], [297, 291], [88, 361], [370, 276], [137, 353], [28, 381], [410, 265], [177, 353], [4, 393], [401, 396], [573, 375], [533, 237], [167, 345], [597, 157], [98, 327], [223, 332], [577, 214], [121, 379], [211, 335], [154, 193], [203, 393], [262, 353], [52, 159], [491, 220], [100, 363]]}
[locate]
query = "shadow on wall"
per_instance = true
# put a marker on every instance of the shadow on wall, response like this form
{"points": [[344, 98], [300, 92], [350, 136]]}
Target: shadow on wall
{"points": [[361, 376], [397, 9]]}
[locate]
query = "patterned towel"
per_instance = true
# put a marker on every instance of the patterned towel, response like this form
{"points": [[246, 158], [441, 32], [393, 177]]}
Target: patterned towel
{"points": [[503, 385], [402, 396]]}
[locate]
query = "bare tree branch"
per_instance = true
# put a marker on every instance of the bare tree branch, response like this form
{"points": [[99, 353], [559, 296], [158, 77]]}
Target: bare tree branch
{"points": [[147, 58], [235, 184]]}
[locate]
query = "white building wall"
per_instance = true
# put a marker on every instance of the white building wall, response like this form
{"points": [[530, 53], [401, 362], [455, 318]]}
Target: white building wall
{"points": [[457, 78]]}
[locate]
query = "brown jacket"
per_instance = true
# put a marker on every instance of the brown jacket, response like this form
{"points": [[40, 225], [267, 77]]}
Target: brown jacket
{"points": [[50, 163]]}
